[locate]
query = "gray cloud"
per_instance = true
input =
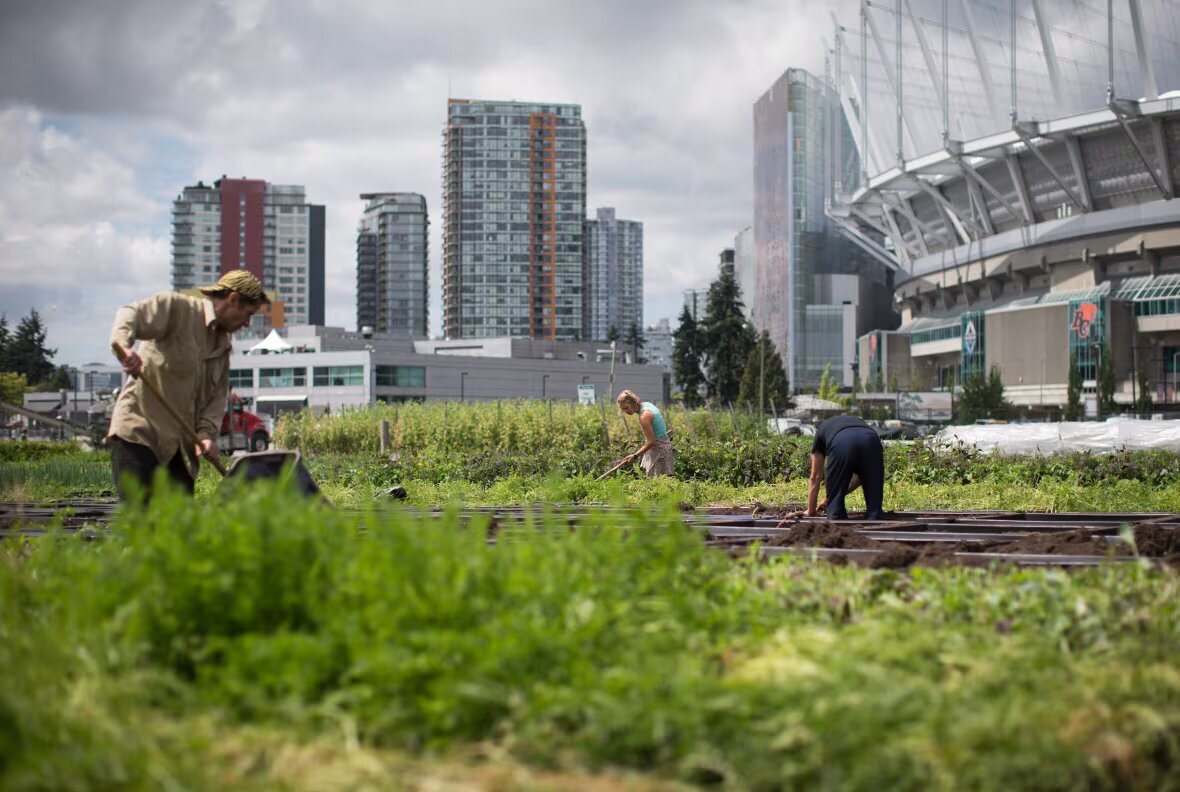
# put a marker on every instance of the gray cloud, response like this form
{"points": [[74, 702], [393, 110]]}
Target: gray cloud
{"points": [[346, 97]]}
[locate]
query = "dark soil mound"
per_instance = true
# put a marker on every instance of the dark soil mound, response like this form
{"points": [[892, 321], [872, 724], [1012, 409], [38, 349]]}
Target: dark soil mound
{"points": [[1079, 542], [892, 555], [938, 554], [1156, 541], [823, 534]]}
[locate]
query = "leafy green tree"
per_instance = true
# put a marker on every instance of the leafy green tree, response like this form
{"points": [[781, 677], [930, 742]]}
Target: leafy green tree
{"points": [[686, 359], [1073, 390], [1105, 381], [612, 333], [764, 359], [635, 341], [26, 350], [13, 387], [893, 383], [879, 382], [829, 389], [726, 337], [982, 397], [1143, 400]]}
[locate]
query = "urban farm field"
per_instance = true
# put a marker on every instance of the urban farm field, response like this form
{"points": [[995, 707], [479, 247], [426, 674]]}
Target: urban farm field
{"points": [[512, 453], [261, 641]]}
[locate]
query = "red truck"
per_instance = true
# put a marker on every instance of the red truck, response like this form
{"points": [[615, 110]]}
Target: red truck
{"points": [[250, 432]]}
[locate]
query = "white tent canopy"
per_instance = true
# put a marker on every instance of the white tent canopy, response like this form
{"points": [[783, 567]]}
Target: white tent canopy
{"points": [[272, 343]]}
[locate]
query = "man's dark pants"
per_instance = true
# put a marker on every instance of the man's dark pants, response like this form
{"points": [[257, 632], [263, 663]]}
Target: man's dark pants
{"points": [[139, 462], [856, 449]]}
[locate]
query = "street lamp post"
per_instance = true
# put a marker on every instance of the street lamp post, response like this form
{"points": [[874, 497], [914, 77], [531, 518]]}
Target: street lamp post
{"points": [[462, 386], [612, 370], [855, 382], [544, 387], [1098, 384]]}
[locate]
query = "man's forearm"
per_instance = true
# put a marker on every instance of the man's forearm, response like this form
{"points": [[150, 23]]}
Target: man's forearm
{"points": [[812, 495]]}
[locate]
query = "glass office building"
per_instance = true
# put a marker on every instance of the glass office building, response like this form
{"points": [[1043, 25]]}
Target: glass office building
{"points": [[815, 290], [514, 200]]}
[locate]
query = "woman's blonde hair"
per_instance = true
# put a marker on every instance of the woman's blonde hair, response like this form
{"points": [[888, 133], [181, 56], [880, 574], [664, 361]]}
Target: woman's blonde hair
{"points": [[627, 398]]}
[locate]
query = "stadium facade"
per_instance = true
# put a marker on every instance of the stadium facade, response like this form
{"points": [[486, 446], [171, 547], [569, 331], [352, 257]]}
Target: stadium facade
{"points": [[1018, 165]]}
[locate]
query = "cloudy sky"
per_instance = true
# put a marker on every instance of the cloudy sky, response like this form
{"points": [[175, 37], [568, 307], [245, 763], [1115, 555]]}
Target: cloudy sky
{"points": [[107, 109]]}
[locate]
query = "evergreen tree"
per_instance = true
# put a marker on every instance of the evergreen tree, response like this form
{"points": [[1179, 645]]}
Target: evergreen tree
{"points": [[893, 383], [726, 338], [1143, 400], [5, 339], [1105, 381], [982, 397], [764, 364], [26, 351], [635, 341], [612, 333], [879, 382], [60, 379], [686, 359], [1073, 391]]}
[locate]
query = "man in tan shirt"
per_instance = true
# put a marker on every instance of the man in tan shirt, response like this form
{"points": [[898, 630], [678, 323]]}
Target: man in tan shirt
{"points": [[184, 351]]}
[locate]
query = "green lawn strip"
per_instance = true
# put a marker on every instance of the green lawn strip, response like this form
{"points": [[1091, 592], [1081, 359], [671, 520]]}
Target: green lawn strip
{"points": [[624, 644]]}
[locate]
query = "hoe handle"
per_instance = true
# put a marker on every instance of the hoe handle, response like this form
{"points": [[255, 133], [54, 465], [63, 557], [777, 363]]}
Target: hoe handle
{"points": [[183, 424], [612, 470]]}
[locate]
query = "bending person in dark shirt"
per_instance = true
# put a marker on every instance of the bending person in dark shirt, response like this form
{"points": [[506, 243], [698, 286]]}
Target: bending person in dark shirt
{"points": [[846, 454]]}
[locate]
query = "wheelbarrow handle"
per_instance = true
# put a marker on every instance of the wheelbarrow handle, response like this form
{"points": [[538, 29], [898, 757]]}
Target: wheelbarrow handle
{"points": [[184, 427]]}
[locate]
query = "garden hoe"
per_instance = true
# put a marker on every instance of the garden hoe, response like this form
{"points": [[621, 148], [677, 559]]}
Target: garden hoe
{"points": [[245, 467], [616, 466]]}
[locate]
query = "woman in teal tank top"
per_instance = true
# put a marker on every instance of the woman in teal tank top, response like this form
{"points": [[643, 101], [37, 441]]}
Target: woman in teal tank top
{"points": [[657, 453]]}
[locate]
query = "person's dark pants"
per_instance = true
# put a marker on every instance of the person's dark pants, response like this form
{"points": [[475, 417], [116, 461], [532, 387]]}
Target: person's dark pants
{"points": [[856, 450], [139, 463]]}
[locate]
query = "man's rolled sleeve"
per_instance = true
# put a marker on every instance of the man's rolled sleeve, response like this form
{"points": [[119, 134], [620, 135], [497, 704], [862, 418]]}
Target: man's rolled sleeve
{"points": [[142, 320]]}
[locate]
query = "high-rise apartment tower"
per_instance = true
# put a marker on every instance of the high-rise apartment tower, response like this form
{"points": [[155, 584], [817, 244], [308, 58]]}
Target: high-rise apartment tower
{"points": [[612, 281], [514, 199], [392, 264], [250, 224]]}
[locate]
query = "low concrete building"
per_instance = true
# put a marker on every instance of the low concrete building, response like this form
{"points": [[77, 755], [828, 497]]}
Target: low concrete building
{"points": [[328, 369]]}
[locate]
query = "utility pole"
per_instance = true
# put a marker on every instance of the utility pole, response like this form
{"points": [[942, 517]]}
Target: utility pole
{"points": [[761, 377]]}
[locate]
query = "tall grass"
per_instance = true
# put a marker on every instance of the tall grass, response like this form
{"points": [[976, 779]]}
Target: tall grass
{"points": [[511, 426], [626, 643], [81, 474]]}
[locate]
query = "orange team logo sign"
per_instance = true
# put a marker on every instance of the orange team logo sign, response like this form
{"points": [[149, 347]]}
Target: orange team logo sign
{"points": [[1083, 318]]}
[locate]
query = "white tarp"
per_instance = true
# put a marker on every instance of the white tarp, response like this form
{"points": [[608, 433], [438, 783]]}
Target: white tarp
{"points": [[1114, 434], [272, 343]]}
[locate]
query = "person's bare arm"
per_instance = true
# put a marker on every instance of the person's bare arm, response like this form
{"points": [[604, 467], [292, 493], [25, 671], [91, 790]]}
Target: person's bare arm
{"points": [[645, 420], [813, 482]]}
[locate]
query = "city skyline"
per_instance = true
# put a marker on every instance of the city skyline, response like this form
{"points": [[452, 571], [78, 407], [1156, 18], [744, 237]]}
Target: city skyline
{"points": [[94, 151]]}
